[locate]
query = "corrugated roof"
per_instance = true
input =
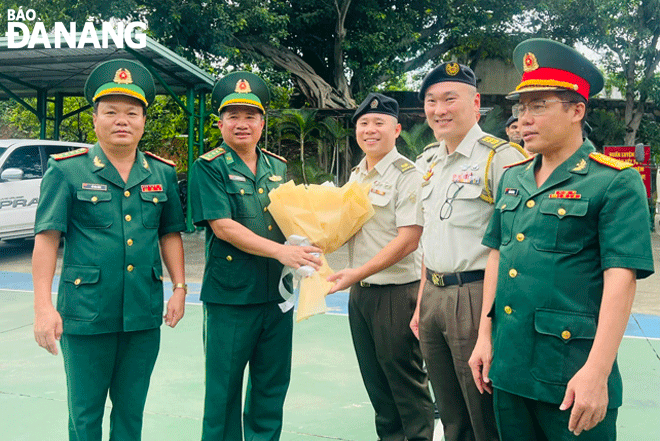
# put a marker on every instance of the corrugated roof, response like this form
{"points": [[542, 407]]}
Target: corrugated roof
{"points": [[64, 70]]}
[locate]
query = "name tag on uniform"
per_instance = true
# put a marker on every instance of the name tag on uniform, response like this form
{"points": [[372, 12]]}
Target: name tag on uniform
{"points": [[153, 187], [237, 178], [99, 187], [511, 191], [275, 178]]}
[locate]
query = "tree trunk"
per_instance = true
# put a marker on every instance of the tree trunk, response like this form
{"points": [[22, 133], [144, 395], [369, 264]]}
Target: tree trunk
{"points": [[302, 159]]}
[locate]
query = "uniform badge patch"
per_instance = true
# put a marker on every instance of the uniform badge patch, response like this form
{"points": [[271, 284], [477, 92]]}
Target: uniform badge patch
{"points": [[152, 187], [98, 162], [565, 194], [511, 191], [237, 178], [466, 178], [229, 158], [99, 187], [275, 178]]}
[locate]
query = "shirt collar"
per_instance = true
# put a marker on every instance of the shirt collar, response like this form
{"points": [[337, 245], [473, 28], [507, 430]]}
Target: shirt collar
{"points": [[382, 165]]}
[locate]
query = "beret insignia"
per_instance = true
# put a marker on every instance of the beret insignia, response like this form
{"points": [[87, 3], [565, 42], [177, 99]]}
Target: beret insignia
{"points": [[374, 103], [452, 69], [529, 62], [242, 86], [123, 76]]}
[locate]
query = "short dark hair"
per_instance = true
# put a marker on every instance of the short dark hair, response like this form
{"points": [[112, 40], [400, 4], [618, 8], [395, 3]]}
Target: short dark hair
{"points": [[96, 106], [573, 98]]}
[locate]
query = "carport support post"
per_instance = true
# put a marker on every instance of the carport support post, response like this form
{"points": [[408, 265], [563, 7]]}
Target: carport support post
{"points": [[41, 111], [59, 109], [202, 118], [190, 106]]}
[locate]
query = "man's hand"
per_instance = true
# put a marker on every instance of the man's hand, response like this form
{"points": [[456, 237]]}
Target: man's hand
{"points": [[297, 256], [480, 361], [414, 322], [343, 279], [176, 307], [587, 393], [47, 328]]}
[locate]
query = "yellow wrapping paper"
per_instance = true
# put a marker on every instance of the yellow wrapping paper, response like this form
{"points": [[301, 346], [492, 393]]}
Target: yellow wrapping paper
{"points": [[328, 216]]}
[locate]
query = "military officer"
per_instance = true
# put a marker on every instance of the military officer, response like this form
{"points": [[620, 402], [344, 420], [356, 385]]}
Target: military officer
{"points": [[569, 237], [114, 205], [461, 172], [383, 276], [245, 255], [513, 130]]}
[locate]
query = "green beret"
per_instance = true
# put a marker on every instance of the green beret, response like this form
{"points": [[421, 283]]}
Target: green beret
{"points": [[377, 103], [240, 88], [448, 72], [120, 77], [548, 65]]}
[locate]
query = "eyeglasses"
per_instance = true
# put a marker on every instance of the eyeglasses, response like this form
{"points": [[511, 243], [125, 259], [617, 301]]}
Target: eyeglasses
{"points": [[446, 207], [536, 108]]}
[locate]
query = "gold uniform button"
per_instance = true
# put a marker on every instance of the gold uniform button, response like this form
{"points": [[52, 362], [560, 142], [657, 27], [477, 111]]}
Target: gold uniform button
{"points": [[520, 237], [77, 282], [95, 199], [566, 335], [530, 204], [508, 309], [155, 200], [265, 209], [129, 242], [128, 218], [130, 268], [513, 273], [561, 212], [261, 191], [229, 258], [127, 193], [270, 228], [242, 191]]}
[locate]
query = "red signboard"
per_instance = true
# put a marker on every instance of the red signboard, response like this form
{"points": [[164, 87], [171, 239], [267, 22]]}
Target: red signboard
{"points": [[627, 153]]}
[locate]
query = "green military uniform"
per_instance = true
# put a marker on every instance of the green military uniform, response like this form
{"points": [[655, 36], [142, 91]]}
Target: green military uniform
{"points": [[110, 294], [243, 322], [555, 242]]}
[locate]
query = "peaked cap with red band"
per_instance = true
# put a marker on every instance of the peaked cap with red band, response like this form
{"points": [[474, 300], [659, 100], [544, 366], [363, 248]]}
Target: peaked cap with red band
{"points": [[548, 65]]}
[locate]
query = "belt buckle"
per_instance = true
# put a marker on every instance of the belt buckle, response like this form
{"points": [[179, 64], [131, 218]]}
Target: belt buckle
{"points": [[364, 284], [437, 279]]}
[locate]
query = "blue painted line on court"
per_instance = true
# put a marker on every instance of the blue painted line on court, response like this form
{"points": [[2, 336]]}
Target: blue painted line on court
{"points": [[639, 325]]}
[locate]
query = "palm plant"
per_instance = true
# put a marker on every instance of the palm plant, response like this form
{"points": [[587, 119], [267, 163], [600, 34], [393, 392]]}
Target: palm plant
{"points": [[335, 130], [300, 126], [415, 139]]}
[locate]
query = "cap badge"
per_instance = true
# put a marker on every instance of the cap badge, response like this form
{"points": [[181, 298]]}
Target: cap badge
{"points": [[374, 103], [242, 86], [452, 69], [123, 76], [529, 62]]}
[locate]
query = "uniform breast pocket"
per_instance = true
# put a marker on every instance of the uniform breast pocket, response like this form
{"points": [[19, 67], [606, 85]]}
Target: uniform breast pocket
{"points": [[152, 207], [93, 209], [379, 197], [562, 225], [562, 341], [464, 207], [243, 200], [507, 206]]}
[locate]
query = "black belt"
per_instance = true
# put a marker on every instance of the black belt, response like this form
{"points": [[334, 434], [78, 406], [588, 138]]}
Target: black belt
{"points": [[364, 284], [439, 279]]}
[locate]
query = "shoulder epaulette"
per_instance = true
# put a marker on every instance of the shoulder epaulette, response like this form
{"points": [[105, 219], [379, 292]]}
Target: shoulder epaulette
{"points": [[404, 165], [609, 161], [524, 161], [212, 154], [70, 154], [274, 155], [166, 161], [492, 142]]}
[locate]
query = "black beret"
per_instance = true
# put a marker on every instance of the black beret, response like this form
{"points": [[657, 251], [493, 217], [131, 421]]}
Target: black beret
{"points": [[448, 72], [377, 103], [511, 120]]}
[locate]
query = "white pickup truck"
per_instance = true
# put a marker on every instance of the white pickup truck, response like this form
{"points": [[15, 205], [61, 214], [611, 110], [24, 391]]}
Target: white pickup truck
{"points": [[22, 165]]}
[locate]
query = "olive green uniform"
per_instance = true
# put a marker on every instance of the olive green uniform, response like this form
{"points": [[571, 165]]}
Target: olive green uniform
{"points": [[243, 322], [110, 294], [555, 242], [381, 306]]}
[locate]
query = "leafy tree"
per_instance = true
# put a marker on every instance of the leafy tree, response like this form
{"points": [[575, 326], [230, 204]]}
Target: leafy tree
{"points": [[331, 50], [414, 140], [626, 31]]}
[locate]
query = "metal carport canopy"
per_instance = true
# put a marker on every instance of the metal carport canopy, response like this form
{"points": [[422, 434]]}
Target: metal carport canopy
{"points": [[50, 74]]}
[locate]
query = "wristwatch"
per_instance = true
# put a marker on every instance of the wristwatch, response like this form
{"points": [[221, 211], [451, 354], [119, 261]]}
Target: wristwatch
{"points": [[180, 285]]}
